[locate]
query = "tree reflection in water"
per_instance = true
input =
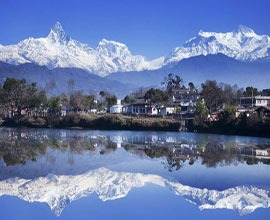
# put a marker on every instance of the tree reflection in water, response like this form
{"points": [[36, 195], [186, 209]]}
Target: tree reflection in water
{"points": [[17, 146]]}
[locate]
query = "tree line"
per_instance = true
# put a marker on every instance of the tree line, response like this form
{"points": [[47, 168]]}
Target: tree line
{"points": [[18, 96]]}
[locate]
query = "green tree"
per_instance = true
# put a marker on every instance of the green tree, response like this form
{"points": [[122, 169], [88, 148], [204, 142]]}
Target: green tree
{"points": [[201, 113], [110, 100], [172, 82], [77, 100], [228, 115], [191, 86], [89, 102], [54, 107], [212, 95], [230, 94], [251, 91], [102, 93], [156, 96], [17, 94]]}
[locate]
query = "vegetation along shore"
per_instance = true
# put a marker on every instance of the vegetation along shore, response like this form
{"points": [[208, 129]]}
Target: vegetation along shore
{"points": [[212, 108]]}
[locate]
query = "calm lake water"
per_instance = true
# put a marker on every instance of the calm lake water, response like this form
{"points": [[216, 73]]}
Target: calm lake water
{"points": [[74, 174]]}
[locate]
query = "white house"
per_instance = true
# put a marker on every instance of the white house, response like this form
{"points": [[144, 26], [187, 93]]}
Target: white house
{"points": [[167, 110], [140, 109], [115, 109], [255, 101]]}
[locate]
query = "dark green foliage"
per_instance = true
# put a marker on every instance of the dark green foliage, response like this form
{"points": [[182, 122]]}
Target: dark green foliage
{"points": [[156, 96], [172, 82], [107, 100], [250, 91], [201, 113], [77, 101], [54, 111], [129, 99], [17, 94], [212, 95], [110, 100], [253, 124]]}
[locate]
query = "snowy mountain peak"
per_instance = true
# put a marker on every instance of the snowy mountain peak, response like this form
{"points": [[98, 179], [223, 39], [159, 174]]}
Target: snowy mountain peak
{"points": [[203, 34], [113, 49], [59, 50], [57, 28], [57, 34], [111, 42], [242, 44], [245, 30]]}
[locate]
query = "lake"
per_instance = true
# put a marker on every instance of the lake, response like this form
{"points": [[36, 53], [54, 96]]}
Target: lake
{"points": [[85, 174]]}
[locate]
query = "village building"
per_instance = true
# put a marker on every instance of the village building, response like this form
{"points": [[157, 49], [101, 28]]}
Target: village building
{"points": [[185, 99], [167, 110], [254, 101], [116, 109], [140, 109]]}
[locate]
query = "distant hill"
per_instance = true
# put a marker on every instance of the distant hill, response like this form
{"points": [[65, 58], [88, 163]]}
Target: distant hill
{"points": [[201, 68], [195, 69], [83, 79]]}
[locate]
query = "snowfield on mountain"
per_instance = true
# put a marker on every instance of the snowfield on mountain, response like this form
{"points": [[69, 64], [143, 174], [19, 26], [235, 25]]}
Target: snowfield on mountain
{"points": [[59, 50]]}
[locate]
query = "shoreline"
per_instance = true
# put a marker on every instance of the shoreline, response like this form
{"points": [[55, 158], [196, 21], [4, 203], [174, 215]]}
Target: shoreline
{"points": [[76, 121], [100, 122]]}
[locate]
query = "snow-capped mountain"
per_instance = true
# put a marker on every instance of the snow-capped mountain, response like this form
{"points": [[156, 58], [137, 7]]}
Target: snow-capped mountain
{"points": [[60, 50], [59, 190], [242, 44]]}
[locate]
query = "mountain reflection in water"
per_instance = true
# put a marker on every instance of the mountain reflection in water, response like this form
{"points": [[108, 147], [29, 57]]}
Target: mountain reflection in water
{"points": [[58, 191], [60, 166]]}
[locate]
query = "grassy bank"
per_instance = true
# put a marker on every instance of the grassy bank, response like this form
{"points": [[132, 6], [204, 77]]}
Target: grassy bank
{"points": [[240, 127], [104, 122]]}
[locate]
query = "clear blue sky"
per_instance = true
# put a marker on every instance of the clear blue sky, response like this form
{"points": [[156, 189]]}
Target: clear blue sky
{"points": [[149, 27]]}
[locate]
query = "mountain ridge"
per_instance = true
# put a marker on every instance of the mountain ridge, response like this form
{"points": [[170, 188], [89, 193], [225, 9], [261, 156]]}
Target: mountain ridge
{"points": [[200, 68], [242, 44], [58, 49], [87, 82]]}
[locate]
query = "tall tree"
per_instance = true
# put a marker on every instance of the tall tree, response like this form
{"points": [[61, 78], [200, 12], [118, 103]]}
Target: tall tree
{"points": [[251, 91], [191, 86], [110, 100], [77, 100], [54, 108], [172, 82], [89, 102], [17, 94], [201, 113], [156, 96], [212, 95]]}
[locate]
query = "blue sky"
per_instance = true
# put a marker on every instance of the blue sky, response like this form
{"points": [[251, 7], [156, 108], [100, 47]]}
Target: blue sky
{"points": [[149, 27]]}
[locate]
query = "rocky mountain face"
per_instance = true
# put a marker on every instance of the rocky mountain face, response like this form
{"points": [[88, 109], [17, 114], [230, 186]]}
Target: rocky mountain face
{"points": [[238, 57], [59, 50], [242, 44]]}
